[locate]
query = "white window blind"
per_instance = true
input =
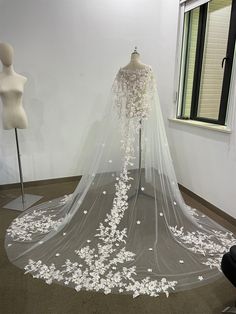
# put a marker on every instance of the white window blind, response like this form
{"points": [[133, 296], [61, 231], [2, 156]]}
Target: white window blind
{"points": [[215, 50], [190, 61], [192, 4]]}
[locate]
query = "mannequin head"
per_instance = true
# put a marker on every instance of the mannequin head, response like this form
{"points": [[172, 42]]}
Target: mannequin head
{"points": [[6, 54]]}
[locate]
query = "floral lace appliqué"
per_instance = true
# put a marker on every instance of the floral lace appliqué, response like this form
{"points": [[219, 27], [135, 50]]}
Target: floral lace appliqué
{"points": [[214, 244], [132, 92], [36, 222]]}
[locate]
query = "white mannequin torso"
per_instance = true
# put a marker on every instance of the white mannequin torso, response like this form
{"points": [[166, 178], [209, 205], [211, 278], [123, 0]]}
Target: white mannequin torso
{"points": [[135, 63], [11, 91]]}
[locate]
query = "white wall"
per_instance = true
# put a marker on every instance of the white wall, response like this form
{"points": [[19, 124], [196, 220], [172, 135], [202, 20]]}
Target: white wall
{"points": [[205, 162], [70, 51]]}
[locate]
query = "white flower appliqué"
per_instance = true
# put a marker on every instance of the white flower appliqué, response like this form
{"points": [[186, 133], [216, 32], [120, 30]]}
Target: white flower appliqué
{"points": [[214, 244], [36, 222], [131, 90]]}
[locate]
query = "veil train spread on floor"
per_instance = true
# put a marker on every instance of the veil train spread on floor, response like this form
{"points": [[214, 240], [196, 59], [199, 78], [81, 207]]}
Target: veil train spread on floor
{"points": [[126, 228]]}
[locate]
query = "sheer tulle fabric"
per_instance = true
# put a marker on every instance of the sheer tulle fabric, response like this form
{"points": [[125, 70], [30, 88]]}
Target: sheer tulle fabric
{"points": [[126, 228]]}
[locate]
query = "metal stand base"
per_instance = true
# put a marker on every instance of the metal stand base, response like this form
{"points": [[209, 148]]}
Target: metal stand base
{"points": [[229, 309], [25, 200], [139, 192], [18, 204]]}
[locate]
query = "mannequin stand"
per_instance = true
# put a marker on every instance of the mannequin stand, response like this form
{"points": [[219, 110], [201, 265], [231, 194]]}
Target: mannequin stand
{"points": [[25, 200], [139, 190]]}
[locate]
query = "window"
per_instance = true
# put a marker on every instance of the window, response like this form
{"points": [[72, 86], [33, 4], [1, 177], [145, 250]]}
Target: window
{"points": [[209, 32]]}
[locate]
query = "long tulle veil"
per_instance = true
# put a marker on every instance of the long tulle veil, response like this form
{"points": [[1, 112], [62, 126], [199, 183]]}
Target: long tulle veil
{"points": [[126, 228]]}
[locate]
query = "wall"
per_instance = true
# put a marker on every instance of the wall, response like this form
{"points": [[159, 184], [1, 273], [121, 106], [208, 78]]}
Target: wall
{"points": [[70, 51], [205, 162]]}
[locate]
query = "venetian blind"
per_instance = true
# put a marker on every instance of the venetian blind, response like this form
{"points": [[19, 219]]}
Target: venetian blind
{"points": [[215, 50], [192, 4]]}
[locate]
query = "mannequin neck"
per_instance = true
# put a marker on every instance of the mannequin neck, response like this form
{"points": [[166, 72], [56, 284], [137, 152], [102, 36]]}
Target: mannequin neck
{"points": [[135, 62], [135, 59], [8, 70]]}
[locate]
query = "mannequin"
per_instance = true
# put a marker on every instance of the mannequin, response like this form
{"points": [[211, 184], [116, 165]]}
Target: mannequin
{"points": [[11, 90], [135, 62], [13, 115], [133, 65]]}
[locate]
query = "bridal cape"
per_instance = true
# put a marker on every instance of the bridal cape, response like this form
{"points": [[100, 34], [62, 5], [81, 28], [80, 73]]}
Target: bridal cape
{"points": [[126, 228]]}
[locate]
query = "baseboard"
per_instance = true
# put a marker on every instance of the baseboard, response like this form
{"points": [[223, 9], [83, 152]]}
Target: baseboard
{"points": [[199, 199], [210, 206], [40, 182]]}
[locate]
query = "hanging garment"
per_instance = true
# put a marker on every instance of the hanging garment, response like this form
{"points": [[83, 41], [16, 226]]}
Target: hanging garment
{"points": [[126, 227]]}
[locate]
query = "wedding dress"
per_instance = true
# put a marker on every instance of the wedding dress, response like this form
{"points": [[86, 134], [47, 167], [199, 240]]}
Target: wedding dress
{"points": [[126, 227]]}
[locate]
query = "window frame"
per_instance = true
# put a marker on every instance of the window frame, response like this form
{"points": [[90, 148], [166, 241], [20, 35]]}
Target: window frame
{"points": [[228, 64]]}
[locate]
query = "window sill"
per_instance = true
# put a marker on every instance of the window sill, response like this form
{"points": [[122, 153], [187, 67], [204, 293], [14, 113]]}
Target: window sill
{"points": [[199, 124]]}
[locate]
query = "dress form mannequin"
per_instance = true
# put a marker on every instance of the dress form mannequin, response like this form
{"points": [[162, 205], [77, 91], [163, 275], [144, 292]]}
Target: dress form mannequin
{"points": [[135, 62], [11, 90], [13, 115]]}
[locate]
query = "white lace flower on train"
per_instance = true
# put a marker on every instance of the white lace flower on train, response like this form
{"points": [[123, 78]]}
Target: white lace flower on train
{"points": [[36, 222]]}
